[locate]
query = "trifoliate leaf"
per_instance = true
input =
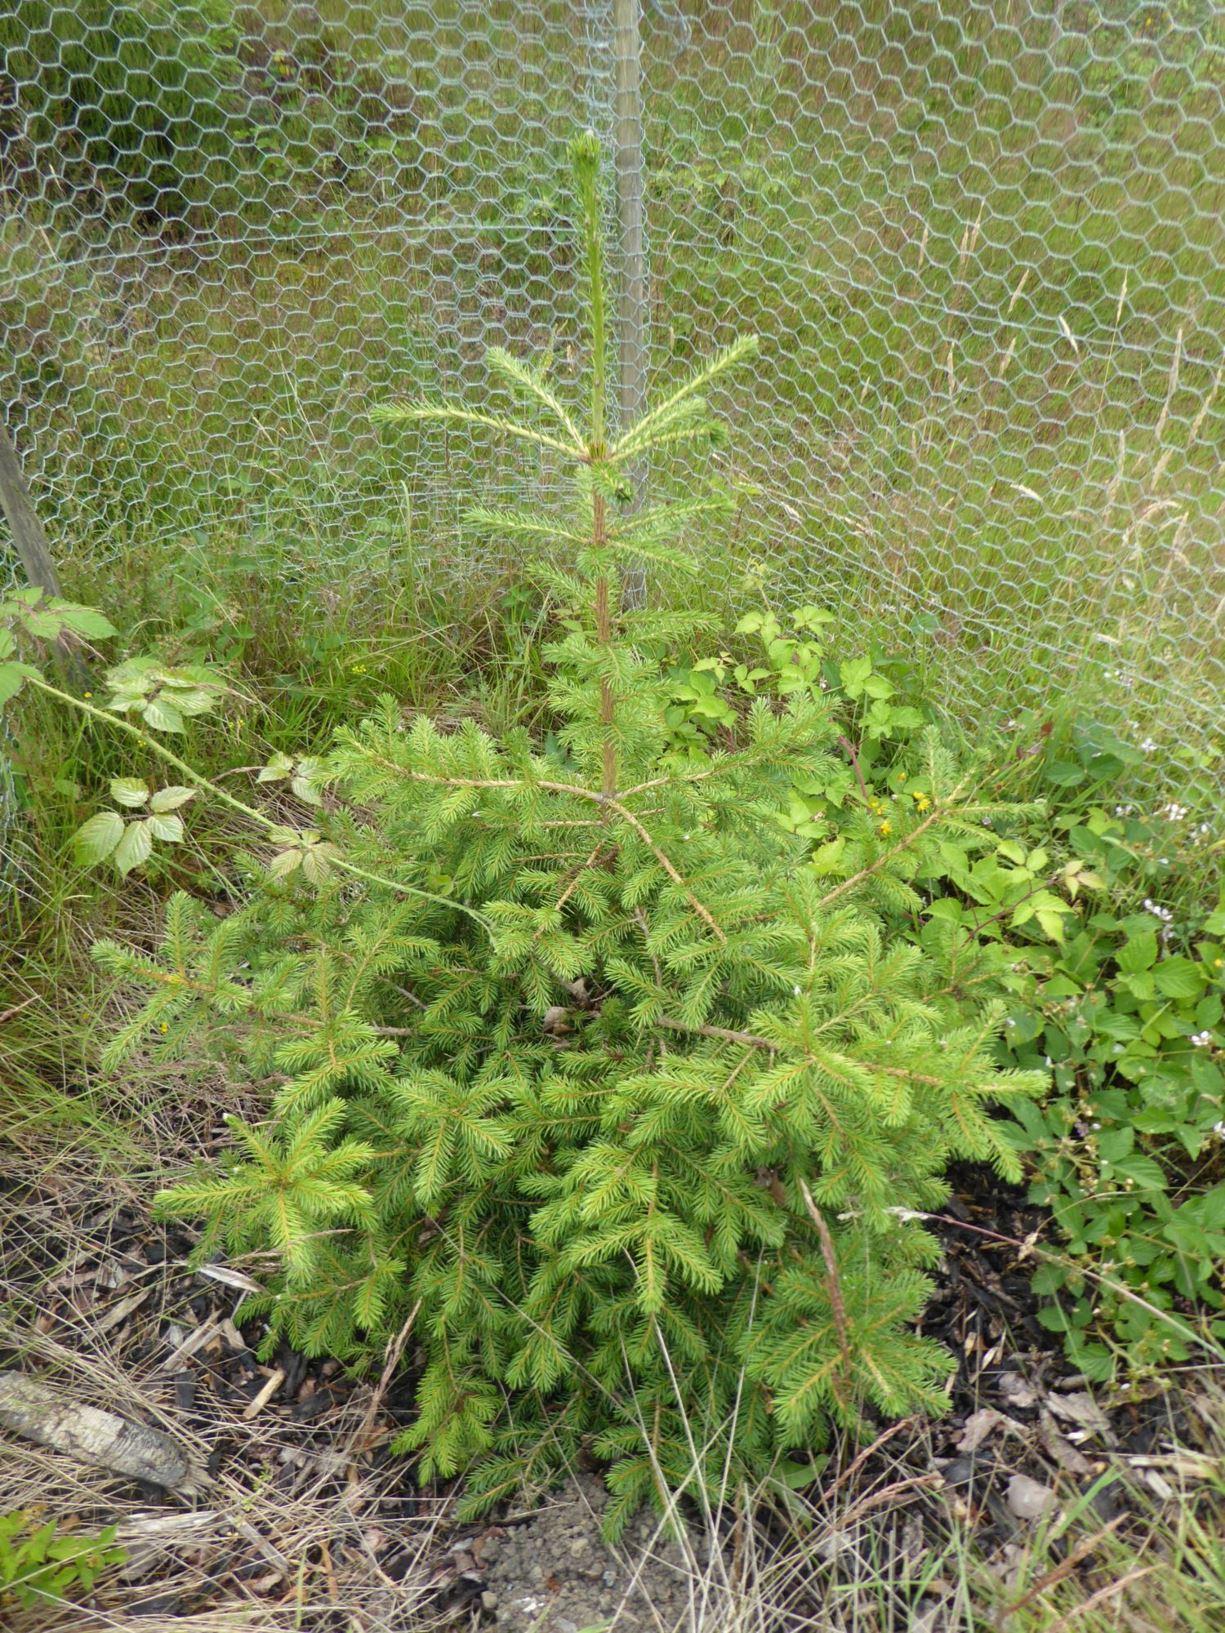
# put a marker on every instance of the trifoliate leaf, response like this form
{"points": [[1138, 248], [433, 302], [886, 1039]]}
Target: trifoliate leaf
{"points": [[94, 840], [284, 863], [129, 791], [135, 847]]}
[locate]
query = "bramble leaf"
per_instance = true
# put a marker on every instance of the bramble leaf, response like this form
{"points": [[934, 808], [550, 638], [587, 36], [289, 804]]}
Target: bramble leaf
{"points": [[96, 839]]}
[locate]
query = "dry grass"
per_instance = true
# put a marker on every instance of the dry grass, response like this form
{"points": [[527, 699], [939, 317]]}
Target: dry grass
{"points": [[299, 1523]]}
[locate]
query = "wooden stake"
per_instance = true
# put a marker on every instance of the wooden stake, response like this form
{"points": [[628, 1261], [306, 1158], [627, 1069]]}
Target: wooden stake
{"points": [[31, 543], [27, 530]]}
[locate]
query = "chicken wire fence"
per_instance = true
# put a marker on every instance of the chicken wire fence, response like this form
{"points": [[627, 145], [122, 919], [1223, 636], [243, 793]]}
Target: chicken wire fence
{"points": [[981, 243]]}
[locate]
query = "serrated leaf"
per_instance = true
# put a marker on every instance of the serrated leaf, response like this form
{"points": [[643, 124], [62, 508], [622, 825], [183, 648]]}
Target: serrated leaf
{"points": [[94, 840], [315, 866], [305, 789], [1179, 978], [1138, 953], [284, 863], [12, 679], [85, 621], [135, 847], [1051, 922], [129, 791], [162, 715], [169, 828], [277, 769], [169, 799], [195, 702], [47, 625]]}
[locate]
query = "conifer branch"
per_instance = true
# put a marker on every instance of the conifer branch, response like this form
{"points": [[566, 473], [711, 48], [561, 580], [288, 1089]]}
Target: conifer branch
{"points": [[592, 860], [660, 856], [833, 1280], [452, 414], [750, 1040], [726, 1034]]}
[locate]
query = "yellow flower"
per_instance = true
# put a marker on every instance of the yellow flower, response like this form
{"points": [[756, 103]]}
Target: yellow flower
{"points": [[922, 803], [885, 829], [162, 1027]]}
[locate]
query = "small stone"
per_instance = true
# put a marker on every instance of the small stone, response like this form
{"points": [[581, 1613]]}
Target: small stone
{"points": [[489, 1601], [1029, 1499], [964, 1471]]}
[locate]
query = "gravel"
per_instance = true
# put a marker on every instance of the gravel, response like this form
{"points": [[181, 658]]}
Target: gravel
{"points": [[555, 1573]]}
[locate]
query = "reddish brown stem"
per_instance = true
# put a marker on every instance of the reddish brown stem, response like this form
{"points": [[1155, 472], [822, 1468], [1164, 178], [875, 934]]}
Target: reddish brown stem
{"points": [[852, 754], [603, 633]]}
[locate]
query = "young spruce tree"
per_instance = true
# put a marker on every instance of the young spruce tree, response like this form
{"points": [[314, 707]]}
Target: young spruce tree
{"points": [[586, 1078]]}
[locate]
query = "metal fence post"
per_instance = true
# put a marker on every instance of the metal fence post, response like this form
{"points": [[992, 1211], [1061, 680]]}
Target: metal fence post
{"points": [[632, 295]]}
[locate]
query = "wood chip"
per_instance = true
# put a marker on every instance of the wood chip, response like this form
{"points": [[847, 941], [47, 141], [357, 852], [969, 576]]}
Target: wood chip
{"points": [[119, 1312], [1182, 1464], [273, 1555], [232, 1336], [146, 1538], [265, 1395], [1080, 1408], [228, 1277], [1060, 1448], [196, 1339]]}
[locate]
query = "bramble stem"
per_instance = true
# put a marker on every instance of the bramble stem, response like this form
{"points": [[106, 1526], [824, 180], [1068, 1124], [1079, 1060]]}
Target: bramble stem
{"points": [[199, 780]]}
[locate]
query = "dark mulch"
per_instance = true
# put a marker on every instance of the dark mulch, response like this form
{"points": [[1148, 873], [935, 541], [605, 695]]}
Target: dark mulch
{"points": [[101, 1283]]}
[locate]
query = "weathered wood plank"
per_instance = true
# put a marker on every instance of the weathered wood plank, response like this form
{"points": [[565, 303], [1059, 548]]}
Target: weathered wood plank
{"points": [[46, 1414]]}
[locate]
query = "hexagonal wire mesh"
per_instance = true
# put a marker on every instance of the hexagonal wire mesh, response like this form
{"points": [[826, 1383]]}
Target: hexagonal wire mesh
{"points": [[981, 243]]}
